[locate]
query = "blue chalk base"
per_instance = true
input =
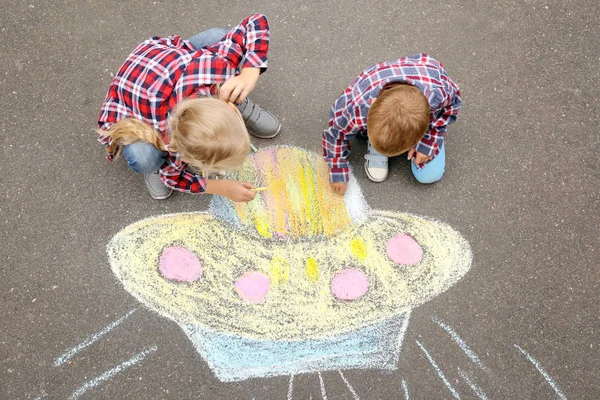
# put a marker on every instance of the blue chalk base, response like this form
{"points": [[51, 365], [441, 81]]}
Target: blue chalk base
{"points": [[235, 358]]}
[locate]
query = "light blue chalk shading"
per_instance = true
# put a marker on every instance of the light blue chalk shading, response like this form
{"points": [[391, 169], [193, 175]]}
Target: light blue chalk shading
{"points": [[111, 372], [439, 371], [478, 391], [542, 371], [223, 209], [291, 388], [405, 389], [323, 392], [235, 358], [463, 346], [69, 354], [349, 386]]}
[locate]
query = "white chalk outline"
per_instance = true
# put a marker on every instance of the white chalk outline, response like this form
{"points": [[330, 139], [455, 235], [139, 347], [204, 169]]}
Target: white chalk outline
{"points": [[478, 391], [323, 392], [405, 389], [291, 387], [542, 371], [90, 340], [461, 343], [349, 387], [111, 372], [439, 371]]}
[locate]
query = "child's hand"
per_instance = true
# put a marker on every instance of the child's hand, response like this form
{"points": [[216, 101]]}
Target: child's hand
{"points": [[233, 190], [339, 187], [237, 88], [417, 157]]}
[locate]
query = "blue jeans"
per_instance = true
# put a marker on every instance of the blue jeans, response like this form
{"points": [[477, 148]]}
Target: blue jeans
{"points": [[433, 170], [144, 158], [208, 37]]}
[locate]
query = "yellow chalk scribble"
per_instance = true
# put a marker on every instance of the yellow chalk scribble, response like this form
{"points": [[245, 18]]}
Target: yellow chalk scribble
{"points": [[298, 203], [312, 269], [279, 272], [359, 248]]}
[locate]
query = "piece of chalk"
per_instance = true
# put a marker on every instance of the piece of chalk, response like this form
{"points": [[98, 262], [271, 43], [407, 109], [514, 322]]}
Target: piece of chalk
{"points": [[259, 189], [254, 149]]}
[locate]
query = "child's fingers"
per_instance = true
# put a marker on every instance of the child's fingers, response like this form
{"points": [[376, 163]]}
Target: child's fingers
{"points": [[237, 90]]}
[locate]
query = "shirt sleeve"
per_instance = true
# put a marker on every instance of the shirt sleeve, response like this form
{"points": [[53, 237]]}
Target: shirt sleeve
{"points": [[250, 41], [175, 176], [336, 147], [447, 114]]}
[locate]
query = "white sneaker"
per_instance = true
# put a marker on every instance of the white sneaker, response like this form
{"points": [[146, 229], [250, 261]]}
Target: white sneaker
{"points": [[376, 165]]}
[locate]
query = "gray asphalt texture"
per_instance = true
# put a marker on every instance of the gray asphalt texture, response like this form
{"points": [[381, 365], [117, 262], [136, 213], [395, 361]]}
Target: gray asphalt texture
{"points": [[521, 185]]}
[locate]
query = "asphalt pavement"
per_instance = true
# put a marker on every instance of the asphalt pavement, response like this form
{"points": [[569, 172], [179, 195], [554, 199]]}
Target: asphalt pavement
{"points": [[521, 185]]}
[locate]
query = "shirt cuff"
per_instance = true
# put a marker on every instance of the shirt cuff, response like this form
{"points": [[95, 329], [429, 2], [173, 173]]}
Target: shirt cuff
{"points": [[337, 175]]}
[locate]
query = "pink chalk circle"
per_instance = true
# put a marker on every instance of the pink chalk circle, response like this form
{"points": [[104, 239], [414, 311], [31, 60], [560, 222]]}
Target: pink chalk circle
{"points": [[179, 264], [349, 284], [253, 287], [402, 249]]}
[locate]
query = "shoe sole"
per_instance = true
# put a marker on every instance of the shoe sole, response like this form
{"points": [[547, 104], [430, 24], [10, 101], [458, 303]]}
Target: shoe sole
{"points": [[266, 137], [161, 197], [373, 179]]}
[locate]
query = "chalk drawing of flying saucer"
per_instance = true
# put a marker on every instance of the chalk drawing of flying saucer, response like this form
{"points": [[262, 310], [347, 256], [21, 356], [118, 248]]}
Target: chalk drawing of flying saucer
{"points": [[298, 280]]}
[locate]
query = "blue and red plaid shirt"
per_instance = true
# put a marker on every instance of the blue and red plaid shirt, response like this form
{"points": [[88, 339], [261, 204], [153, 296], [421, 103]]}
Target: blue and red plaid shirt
{"points": [[348, 116], [161, 72]]}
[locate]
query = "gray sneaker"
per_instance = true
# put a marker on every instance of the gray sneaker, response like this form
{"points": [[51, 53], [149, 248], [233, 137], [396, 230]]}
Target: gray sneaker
{"points": [[260, 122], [376, 165], [158, 190]]}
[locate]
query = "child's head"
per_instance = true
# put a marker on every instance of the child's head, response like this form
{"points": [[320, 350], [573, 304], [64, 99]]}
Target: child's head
{"points": [[209, 134], [398, 119]]}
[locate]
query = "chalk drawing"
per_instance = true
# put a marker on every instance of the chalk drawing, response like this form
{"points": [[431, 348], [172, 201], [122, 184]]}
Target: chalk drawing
{"points": [[350, 388], [439, 371], [111, 373], [299, 280], [462, 344], [291, 388], [323, 392], [405, 389], [478, 391], [542, 371], [69, 354]]}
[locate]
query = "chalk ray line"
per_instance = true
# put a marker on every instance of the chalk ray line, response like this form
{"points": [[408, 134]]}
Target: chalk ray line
{"points": [[291, 387], [111, 373], [478, 391], [461, 343], [349, 387], [323, 392], [405, 389], [542, 371], [90, 340], [439, 371]]}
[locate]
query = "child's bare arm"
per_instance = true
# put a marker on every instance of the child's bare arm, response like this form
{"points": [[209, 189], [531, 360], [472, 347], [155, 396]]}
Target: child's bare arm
{"points": [[233, 190], [237, 88]]}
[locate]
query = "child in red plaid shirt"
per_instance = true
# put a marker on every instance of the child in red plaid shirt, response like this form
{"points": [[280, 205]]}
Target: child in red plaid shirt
{"points": [[174, 141], [402, 106]]}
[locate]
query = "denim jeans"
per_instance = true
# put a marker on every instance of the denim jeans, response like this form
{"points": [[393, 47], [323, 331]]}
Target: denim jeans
{"points": [[433, 170], [144, 158]]}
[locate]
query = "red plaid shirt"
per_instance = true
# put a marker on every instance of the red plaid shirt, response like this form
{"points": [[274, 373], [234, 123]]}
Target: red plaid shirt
{"points": [[348, 116], [160, 72]]}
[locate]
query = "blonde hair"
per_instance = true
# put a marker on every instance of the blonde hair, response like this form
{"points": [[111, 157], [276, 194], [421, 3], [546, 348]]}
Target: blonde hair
{"points": [[398, 119], [209, 134], [130, 130]]}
